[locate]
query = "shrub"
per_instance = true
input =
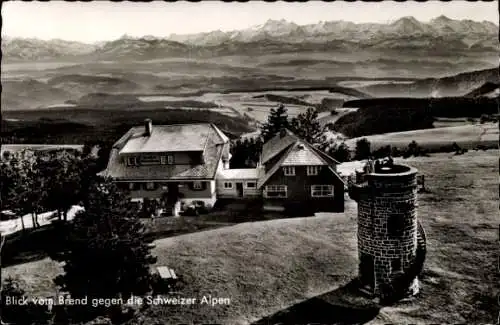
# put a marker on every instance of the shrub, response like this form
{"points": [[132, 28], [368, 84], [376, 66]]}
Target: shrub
{"points": [[363, 150], [341, 153], [458, 150], [382, 152], [395, 152]]}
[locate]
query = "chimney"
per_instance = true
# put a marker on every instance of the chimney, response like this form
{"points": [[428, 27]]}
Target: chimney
{"points": [[148, 127], [282, 133]]}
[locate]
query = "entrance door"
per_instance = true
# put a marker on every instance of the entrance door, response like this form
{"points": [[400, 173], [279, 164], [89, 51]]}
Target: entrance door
{"points": [[239, 189], [367, 270]]}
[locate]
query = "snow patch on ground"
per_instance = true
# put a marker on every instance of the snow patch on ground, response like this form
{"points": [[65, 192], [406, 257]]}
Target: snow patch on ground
{"points": [[12, 226]]}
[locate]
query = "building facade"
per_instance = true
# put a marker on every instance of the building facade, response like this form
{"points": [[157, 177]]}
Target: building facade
{"points": [[178, 165]]}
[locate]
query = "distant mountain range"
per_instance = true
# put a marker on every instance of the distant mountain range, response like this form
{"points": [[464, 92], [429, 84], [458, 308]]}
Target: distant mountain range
{"points": [[442, 36], [325, 31]]}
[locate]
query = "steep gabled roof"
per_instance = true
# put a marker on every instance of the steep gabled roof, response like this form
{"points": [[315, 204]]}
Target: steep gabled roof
{"points": [[302, 155], [273, 170], [276, 145], [294, 155]]}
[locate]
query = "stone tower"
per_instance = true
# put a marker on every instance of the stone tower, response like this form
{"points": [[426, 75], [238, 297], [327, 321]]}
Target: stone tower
{"points": [[391, 241]]}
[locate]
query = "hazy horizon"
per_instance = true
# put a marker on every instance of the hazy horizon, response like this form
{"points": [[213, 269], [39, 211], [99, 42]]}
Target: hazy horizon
{"points": [[91, 22]]}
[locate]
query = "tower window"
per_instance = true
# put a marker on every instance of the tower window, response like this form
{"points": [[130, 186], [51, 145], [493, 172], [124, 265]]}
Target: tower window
{"points": [[395, 225], [396, 265]]}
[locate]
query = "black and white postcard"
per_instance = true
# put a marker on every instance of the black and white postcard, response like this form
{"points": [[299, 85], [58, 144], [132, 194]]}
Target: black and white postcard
{"points": [[250, 163]]}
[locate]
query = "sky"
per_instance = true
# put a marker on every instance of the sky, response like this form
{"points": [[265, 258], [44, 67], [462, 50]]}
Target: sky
{"points": [[102, 20]]}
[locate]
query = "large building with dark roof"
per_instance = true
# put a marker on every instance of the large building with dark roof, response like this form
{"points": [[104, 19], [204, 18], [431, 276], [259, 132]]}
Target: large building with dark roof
{"points": [[184, 163]]}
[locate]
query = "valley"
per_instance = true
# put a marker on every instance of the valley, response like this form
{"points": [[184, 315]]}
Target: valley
{"points": [[236, 78]]}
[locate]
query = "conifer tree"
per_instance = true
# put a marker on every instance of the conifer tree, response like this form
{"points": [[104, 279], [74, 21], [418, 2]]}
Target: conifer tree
{"points": [[277, 120], [307, 127], [106, 252]]}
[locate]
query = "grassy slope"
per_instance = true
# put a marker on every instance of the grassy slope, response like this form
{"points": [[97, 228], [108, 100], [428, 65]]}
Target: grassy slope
{"points": [[460, 215], [267, 266], [466, 136]]}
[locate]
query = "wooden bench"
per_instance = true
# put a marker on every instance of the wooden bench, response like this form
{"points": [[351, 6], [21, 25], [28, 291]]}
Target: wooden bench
{"points": [[167, 280], [166, 273]]}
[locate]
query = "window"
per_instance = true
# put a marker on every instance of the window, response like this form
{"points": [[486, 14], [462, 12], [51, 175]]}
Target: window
{"points": [[197, 186], [289, 171], [168, 159], [148, 159], [395, 225], [321, 190], [228, 185], [150, 186], [396, 265], [275, 191], [251, 185], [133, 186], [312, 170], [132, 161]]}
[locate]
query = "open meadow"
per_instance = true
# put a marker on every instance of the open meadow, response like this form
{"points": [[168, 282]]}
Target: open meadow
{"points": [[268, 266], [467, 136]]}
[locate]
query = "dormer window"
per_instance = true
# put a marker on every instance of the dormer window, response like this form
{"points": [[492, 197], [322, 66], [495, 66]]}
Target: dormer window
{"points": [[132, 161], [168, 159], [197, 186], [150, 159], [312, 170], [289, 171]]}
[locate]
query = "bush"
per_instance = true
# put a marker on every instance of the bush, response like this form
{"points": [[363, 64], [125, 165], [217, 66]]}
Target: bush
{"points": [[447, 148], [413, 150], [382, 152], [341, 153], [395, 152], [458, 150], [363, 150]]}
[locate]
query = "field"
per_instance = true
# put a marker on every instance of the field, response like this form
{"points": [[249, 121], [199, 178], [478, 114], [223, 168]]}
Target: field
{"points": [[466, 136], [267, 267]]}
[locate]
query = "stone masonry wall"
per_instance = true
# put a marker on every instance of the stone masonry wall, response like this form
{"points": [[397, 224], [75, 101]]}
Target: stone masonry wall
{"points": [[387, 225]]}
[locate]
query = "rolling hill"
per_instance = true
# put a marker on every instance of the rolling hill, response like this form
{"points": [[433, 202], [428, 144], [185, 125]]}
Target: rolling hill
{"points": [[488, 89], [454, 85]]}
